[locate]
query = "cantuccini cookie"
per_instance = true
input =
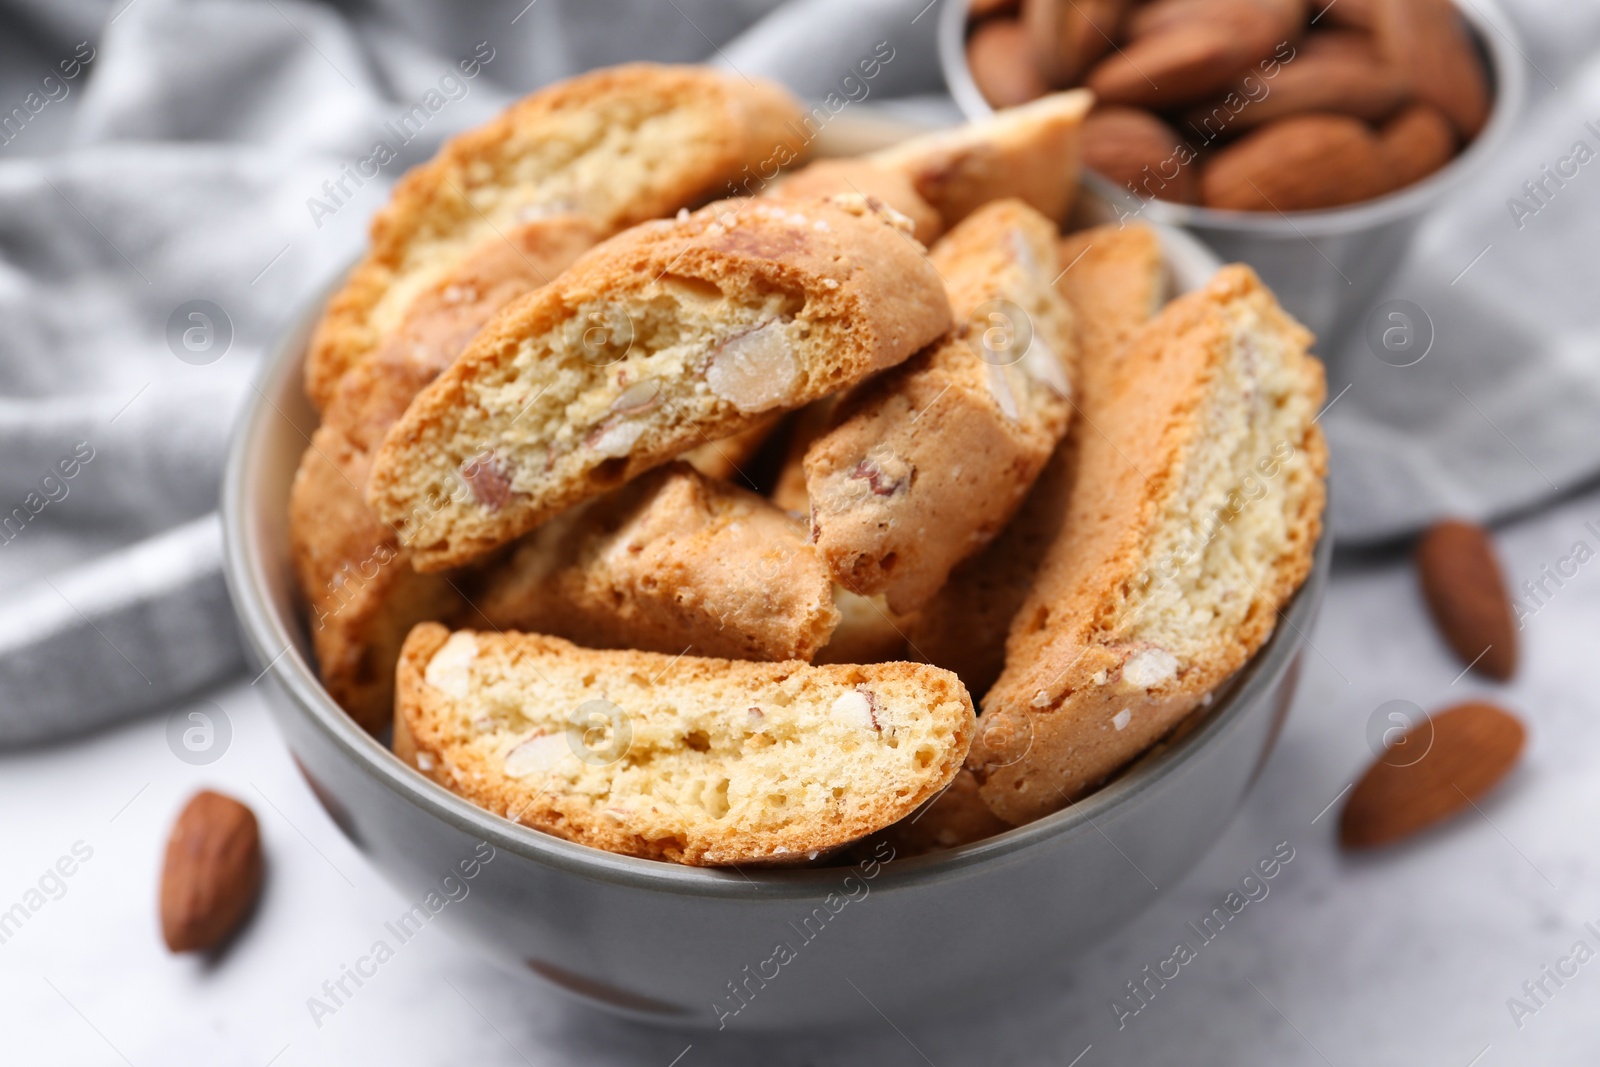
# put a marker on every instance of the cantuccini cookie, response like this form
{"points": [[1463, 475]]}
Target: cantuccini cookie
{"points": [[670, 334], [671, 562], [927, 463], [701, 761], [357, 577], [1115, 279], [613, 147], [1192, 519], [1030, 152]]}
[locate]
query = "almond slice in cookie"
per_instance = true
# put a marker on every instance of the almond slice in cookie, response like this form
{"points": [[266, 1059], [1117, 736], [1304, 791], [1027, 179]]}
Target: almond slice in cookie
{"points": [[927, 464], [613, 147], [701, 761], [1192, 517], [664, 337], [671, 562]]}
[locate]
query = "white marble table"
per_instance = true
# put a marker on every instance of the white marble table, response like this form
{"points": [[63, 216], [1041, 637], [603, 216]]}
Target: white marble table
{"points": [[1408, 957]]}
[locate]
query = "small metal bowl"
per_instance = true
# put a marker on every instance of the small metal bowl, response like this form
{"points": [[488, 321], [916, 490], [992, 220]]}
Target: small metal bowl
{"points": [[1325, 266], [672, 944]]}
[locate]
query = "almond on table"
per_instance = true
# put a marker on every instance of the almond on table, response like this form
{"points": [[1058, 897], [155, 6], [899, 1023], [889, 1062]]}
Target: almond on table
{"points": [[1466, 596], [1467, 750], [212, 873]]}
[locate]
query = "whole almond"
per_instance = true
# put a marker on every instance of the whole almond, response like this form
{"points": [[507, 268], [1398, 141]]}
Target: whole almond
{"points": [[1467, 597], [1138, 151], [1333, 72], [1427, 42], [1417, 142], [212, 872], [1162, 15], [1188, 59], [1001, 60], [1350, 14], [1068, 35], [1300, 163], [1468, 749], [982, 9]]}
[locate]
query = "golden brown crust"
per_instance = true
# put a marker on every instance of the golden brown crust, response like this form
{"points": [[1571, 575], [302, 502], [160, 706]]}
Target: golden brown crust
{"points": [[930, 461], [691, 131], [893, 188], [1085, 687], [699, 761], [1115, 278], [363, 593], [1030, 152], [672, 562], [526, 422]]}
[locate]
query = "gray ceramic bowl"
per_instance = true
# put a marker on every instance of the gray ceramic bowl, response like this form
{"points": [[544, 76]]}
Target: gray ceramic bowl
{"points": [[1325, 266], [663, 942]]}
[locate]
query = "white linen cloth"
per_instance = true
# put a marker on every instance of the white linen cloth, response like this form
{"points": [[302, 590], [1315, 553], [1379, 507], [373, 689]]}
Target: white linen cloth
{"points": [[154, 153]]}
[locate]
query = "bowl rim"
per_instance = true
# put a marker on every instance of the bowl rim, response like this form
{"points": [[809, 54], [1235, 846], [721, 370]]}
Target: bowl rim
{"points": [[1498, 40], [274, 647]]}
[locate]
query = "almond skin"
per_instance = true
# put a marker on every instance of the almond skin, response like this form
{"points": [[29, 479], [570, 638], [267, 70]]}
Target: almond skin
{"points": [[1301, 163], [1138, 151], [1068, 35], [1350, 14], [1186, 59], [1471, 748], [1427, 41], [1001, 60], [1333, 72], [1417, 142], [212, 873], [1466, 595]]}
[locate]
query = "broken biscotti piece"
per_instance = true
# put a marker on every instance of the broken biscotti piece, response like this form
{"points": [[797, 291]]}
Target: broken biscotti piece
{"points": [[613, 147], [355, 575], [667, 335], [702, 761], [1030, 152], [927, 463], [671, 562], [1115, 279], [1192, 520]]}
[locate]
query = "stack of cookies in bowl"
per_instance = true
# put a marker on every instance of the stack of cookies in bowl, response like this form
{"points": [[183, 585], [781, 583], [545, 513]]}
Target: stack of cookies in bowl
{"points": [[685, 498]]}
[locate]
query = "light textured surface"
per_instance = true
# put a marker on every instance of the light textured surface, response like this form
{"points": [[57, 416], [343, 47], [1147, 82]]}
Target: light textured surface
{"points": [[1448, 927]]}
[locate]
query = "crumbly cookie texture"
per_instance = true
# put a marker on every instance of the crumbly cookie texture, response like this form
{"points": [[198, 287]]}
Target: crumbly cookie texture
{"points": [[1115, 279], [888, 186], [929, 462], [701, 761], [671, 562], [670, 334], [354, 573], [1192, 519], [614, 147], [1030, 152]]}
